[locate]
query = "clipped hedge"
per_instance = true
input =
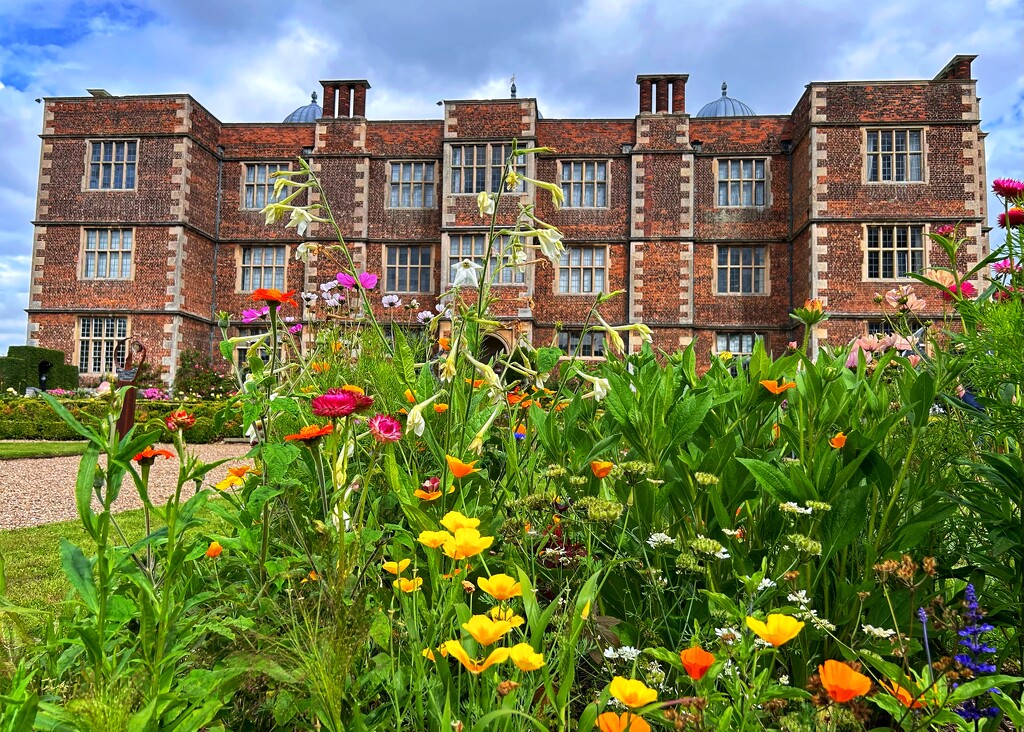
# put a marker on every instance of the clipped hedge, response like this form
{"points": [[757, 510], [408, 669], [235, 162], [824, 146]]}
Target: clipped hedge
{"points": [[32, 419]]}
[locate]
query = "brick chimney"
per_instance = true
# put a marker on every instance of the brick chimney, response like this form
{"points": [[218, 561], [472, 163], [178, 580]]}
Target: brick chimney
{"points": [[345, 98], [959, 68], [661, 89]]}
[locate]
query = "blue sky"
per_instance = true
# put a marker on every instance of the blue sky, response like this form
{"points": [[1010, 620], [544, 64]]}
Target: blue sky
{"points": [[258, 60]]}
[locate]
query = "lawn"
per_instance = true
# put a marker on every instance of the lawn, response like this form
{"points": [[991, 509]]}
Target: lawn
{"points": [[18, 450]]}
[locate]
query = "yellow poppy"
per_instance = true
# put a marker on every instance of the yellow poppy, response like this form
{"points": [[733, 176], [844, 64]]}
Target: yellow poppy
{"points": [[433, 539], [523, 656], [486, 631], [466, 543], [778, 630], [453, 521], [500, 586], [455, 649], [396, 567], [631, 692]]}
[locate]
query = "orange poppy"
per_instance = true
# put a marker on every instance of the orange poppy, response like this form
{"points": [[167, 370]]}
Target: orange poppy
{"points": [[841, 682], [625, 722], [445, 343], [905, 696], [440, 408], [460, 469], [838, 441], [454, 647], [410, 396], [514, 398], [433, 539], [601, 468], [241, 470], [320, 367], [408, 585], [311, 432], [476, 383], [696, 661], [147, 456], [777, 389], [215, 549], [269, 295]]}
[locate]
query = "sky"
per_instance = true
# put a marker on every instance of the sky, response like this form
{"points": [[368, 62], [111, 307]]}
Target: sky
{"points": [[258, 60]]}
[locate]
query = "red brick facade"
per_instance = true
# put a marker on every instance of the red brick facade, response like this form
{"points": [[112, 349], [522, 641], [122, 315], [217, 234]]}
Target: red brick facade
{"points": [[662, 227]]}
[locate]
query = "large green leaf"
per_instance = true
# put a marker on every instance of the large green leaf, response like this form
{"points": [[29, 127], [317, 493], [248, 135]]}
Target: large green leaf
{"points": [[85, 488], [845, 521], [770, 479], [79, 572]]}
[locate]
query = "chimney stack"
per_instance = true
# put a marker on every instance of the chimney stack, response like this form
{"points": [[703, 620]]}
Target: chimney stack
{"points": [[345, 99], [655, 88]]}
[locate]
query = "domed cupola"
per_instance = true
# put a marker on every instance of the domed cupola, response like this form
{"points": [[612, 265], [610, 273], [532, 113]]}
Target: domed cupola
{"points": [[725, 106], [309, 113]]}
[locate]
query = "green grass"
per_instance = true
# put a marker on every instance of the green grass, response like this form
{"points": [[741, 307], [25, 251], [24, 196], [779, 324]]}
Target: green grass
{"points": [[17, 450]]}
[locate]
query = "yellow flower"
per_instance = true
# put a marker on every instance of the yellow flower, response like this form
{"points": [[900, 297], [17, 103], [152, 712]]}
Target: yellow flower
{"points": [[455, 649], [523, 656], [433, 539], [408, 585], [586, 611], [466, 543], [320, 367], [631, 692], [396, 567], [500, 586], [429, 654], [453, 521], [778, 630], [229, 482], [353, 388], [725, 355], [508, 615], [486, 631]]}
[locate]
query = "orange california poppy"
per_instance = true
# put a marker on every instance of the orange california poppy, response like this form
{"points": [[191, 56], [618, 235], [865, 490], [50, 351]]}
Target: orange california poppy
{"points": [[486, 631], [696, 661], [454, 647], [269, 295], [905, 696], [454, 520], [147, 456], [460, 469], [427, 495], [320, 367], [777, 389], [241, 470], [445, 343], [408, 585], [396, 567], [841, 682], [476, 383], [625, 722], [310, 432], [838, 441], [523, 656], [440, 408], [215, 549], [433, 539], [410, 396], [500, 586], [631, 692], [353, 388], [466, 543], [601, 468]]}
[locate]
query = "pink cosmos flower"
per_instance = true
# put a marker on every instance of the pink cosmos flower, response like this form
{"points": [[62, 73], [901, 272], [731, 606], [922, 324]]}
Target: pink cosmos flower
{"points": [[385, 428], [252, 314], [854, 357], [367, 279], [1013, 217], [1006, 266], [1008, 188], [868, 343], [339, 403]]}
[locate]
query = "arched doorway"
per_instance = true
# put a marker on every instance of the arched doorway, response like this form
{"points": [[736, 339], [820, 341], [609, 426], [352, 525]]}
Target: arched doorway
{"points": [[491, 348]]}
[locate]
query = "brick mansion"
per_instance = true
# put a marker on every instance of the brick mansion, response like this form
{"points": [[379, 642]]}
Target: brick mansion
{"points": [[715, 224]]}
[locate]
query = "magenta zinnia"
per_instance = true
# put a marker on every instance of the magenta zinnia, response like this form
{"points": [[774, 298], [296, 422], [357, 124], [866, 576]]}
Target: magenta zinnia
{"points": [[385, 428], [1013, 217], [1008, 188], [340, 403]]}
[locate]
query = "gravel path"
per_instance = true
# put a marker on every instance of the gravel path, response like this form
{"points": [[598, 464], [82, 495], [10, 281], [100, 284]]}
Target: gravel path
{"points": [[42, 491]]}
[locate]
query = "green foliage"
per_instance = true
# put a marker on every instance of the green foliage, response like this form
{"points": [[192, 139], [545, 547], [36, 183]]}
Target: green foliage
{"points": [[198, 376], [20, 369]]}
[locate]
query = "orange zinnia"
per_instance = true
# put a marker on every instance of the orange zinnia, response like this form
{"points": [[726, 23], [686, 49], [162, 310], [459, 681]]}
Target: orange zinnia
{"points": [[148, 455], [906, 697], [311, 432], [776, 388], [460, 469], [841, 682], [696, 661], [240, 471], [515, 398], [838, 441], [270, 295], [601, 468], [625, 722]]}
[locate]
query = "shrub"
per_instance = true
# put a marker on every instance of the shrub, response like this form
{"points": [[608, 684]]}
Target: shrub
{"points": [[198, 375]]}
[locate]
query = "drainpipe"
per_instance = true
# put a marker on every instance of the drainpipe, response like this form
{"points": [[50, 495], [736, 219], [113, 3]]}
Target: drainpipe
{"points": [[629, 244], [788, 147], [216, 251]]}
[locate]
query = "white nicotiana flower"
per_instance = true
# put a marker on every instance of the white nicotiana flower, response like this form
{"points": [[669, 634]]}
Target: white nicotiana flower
{"points": [[467, 274], [629, 653], [485, 202], [601, 385], [792, 507], [765, 584], [659, 539], [304, 250], [519, 259], [414, 422], [551, 244], [883, 633], [301, 219]]}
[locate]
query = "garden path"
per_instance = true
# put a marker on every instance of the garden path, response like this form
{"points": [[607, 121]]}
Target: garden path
{"points": [[42, 491]]}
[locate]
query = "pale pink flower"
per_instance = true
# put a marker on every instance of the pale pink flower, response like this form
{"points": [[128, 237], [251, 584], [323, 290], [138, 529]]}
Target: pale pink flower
{"points": [[867, 343], [385, 428], [914, 360], [854, 358]]}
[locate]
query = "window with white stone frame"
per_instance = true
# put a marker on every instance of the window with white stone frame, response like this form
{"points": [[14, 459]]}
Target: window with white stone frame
{"points": [[738, 344], [262, 267], [742, 182], [895, 156], [480, 167], [107, 254], [585, 183], [583, 270], [112, 164], [97, 340], [259, 184], [411, 184], [742, 270], [894, 251], [409, 268]]}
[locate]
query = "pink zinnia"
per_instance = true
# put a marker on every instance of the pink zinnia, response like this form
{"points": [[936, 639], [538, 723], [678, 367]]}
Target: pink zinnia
{"points": [[966, 290], [1013, 217], [339, 403], [366, 279], [945, 229], [1005, 266], [385, 428], [1008, 188]]}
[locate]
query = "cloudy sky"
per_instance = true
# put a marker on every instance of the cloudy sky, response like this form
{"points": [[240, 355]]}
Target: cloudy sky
{"points": [[259, 59]]}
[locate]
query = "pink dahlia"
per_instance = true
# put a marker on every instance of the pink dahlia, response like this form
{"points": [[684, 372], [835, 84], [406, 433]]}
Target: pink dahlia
{"points": [[385, 428], [339, 403], [1008, 188], [1013, 217]]}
